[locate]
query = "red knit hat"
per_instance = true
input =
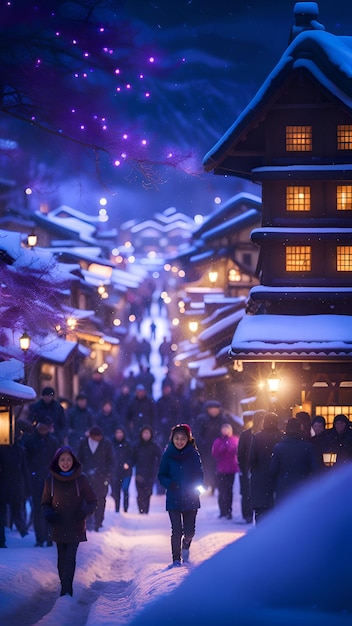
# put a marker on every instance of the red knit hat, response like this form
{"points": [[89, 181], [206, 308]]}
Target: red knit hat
{"points": [[182, 428]]}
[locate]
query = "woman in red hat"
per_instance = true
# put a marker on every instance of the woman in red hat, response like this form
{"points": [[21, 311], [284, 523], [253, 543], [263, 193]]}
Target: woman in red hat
{"points": [[181, 474]]}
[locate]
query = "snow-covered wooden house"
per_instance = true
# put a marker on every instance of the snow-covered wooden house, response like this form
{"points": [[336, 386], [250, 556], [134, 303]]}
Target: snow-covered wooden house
{"points": [[295, 138]]}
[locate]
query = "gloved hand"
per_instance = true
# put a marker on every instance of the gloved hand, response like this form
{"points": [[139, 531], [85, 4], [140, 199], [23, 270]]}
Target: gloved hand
{"points": [[80, 515], [52, 516]]}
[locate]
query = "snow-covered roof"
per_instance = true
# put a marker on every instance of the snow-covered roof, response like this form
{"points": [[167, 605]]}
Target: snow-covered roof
{"points": [[292, 337], [63, 220], [57, 351], [326, 57], [10, 242], [206, 368], [220, 327], [243, 220], [227, 208], [9, 388]]}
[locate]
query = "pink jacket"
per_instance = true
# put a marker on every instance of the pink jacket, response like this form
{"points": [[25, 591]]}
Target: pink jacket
{"points": [[224, 451]]}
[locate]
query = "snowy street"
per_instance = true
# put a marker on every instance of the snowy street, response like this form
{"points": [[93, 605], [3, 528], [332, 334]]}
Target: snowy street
{"points": [[119, 570]]}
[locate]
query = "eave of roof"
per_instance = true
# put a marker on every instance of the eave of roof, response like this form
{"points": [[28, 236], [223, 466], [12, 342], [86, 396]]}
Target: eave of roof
{"points": [[293, 337], [323, 55]]}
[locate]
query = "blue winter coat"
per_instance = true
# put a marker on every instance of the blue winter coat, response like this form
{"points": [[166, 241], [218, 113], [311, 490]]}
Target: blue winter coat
{"points": [[181, 473]]}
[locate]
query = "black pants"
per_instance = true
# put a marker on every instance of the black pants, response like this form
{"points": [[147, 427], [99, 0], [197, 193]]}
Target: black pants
{"points": [[144, 493], [96, 519], [183, 524], [224, 484], [118, 485], [246, 503], [66, 565]]}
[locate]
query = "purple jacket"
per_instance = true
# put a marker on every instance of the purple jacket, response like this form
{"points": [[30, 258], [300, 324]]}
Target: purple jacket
{"points": [[224, 451]]}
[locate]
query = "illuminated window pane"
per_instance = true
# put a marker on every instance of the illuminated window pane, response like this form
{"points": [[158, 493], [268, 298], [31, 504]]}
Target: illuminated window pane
{"points": [[330, 411], [298, 198], [298, 138], [344, 137], [234, 275], [298, 258], [344, 198], [344, 259]]}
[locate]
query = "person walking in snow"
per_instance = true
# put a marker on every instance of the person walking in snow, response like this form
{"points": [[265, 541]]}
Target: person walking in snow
{"points": [[40, 446], [262, 483], [146, 459], [67, 500], [96, 455], [293, 461], [224, 451], [122, 468], [181, 474]]}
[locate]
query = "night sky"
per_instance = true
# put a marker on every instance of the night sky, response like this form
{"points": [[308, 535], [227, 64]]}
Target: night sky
{"points": [[177, 76]]}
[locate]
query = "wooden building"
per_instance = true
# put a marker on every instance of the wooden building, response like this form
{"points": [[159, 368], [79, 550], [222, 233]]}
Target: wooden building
{"points": [[295, 138]]}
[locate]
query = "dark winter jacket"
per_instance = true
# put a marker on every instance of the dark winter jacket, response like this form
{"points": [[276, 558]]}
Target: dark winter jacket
{"points": [[167, 415], [141, 412], [292, 463], [79, 422], [244, 446], [40, 412], [122, 455], [121, 404], [181, 472], [97, 393], [14, 472], [107, 422], [67, 500], [146, 459], [98, 465], [40, 451], [262, 486], [207, 429]]}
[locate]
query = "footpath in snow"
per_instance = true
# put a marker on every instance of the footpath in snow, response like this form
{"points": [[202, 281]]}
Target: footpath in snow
{"points": [[119, 570]]}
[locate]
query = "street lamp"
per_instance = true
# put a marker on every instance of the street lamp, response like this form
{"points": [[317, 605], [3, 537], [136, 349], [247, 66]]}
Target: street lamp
{"points": [[273, 382], [193, 326], [32, 240], [213, 276], [25, 341]]}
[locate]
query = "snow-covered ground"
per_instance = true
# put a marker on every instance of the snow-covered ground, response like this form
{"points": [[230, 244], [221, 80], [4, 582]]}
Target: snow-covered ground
{"points": [[294, 568], [119, 570]]}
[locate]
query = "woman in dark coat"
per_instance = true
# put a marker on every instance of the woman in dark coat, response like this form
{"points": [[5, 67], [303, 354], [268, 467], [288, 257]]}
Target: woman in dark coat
{"points": [[67, 500], [262, 486], [181, 474], [122, 468], [146, 458], [293, 460]]}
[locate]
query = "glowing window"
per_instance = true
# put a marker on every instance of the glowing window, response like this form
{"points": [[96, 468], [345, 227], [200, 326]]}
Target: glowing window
{"points": [[298, 258], [330, 411], [344, 137], [298, 138], [298, 198], [344, 197], [344, 259], [234, 275]]}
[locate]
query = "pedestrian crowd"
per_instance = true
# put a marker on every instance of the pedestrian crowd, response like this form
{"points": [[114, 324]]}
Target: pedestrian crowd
{"points": [[65, 462]]}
